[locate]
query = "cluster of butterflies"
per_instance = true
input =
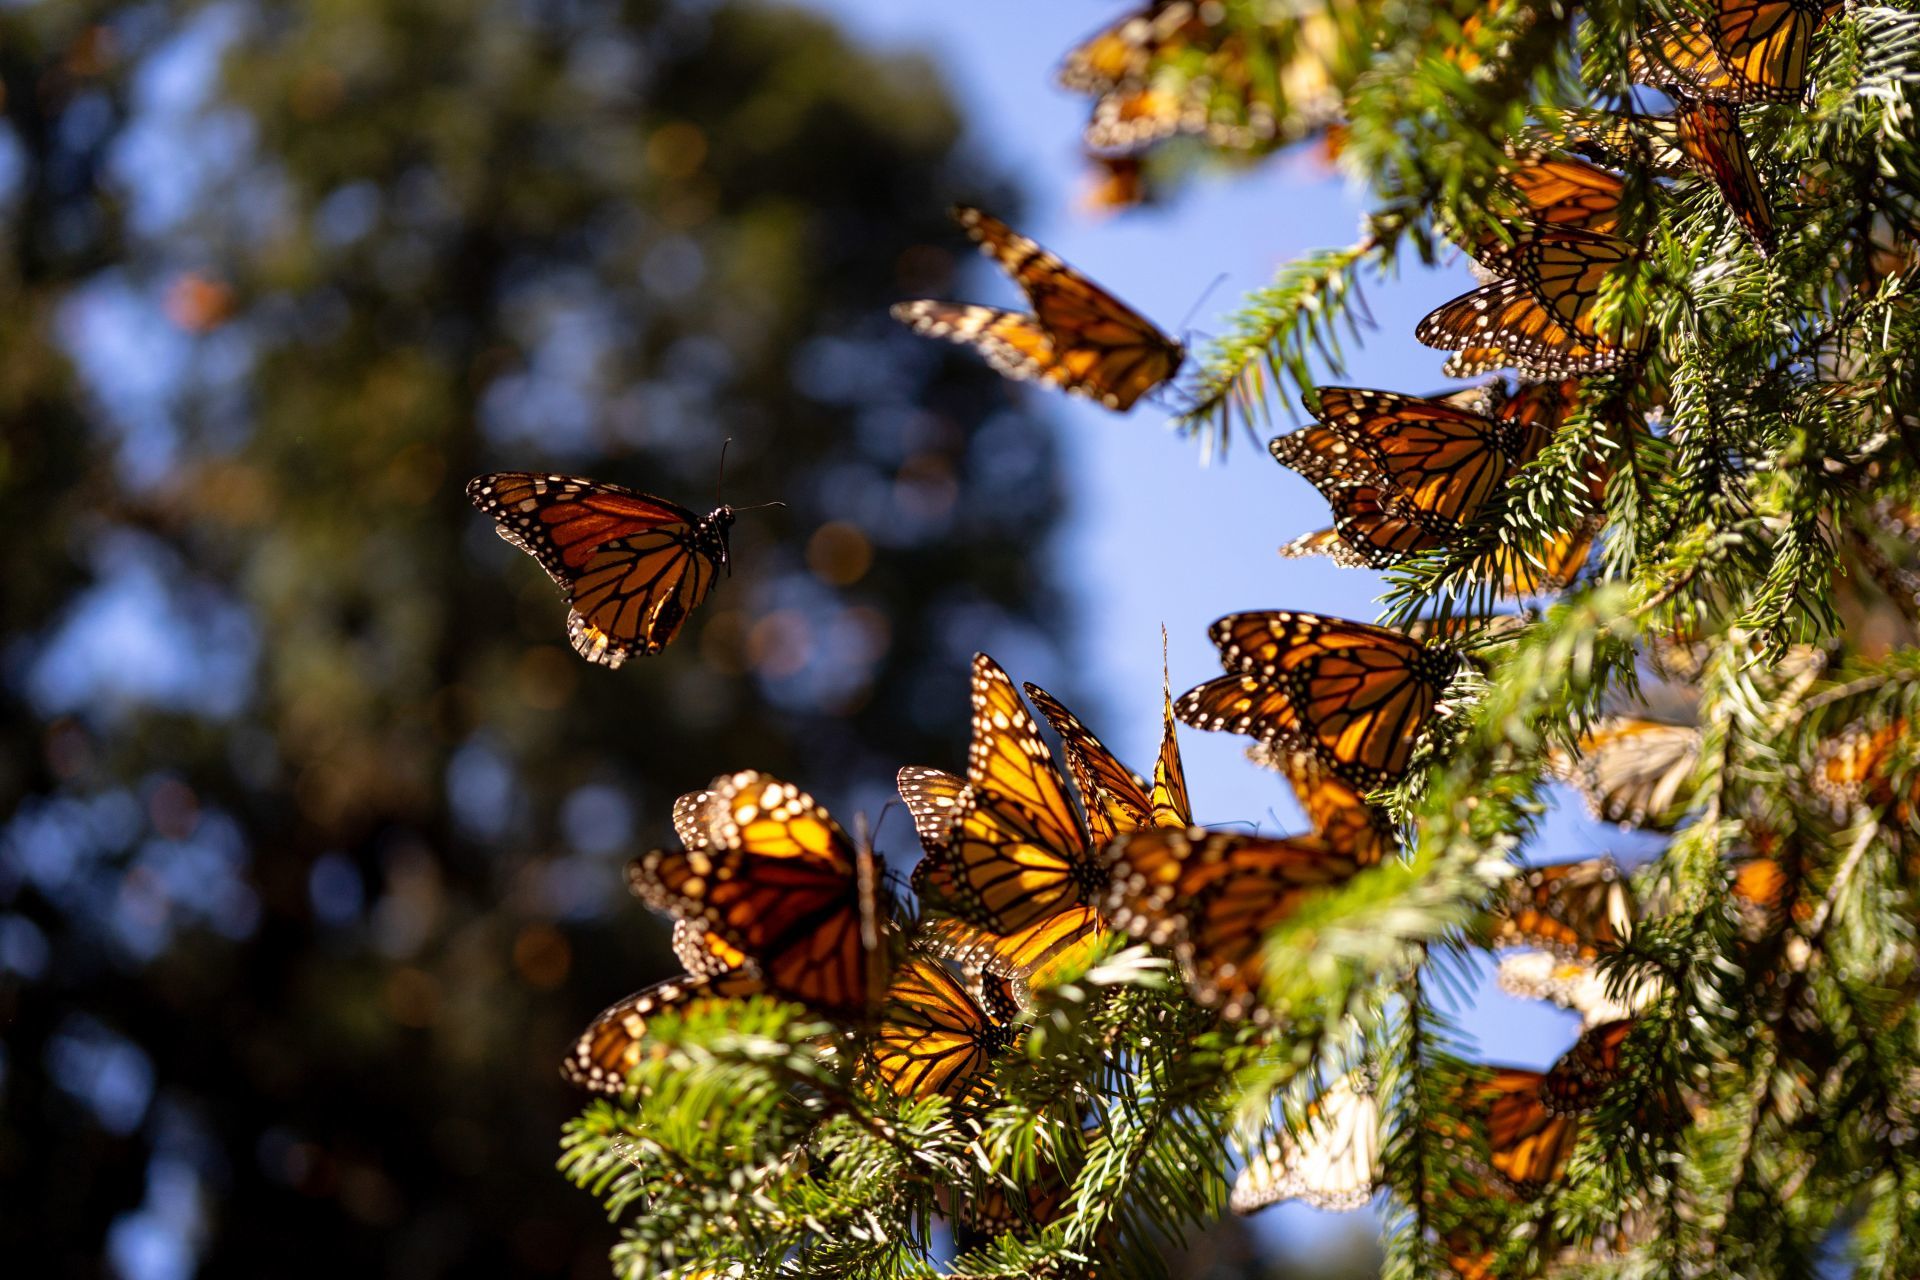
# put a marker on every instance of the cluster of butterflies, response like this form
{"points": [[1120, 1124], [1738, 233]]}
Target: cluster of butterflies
{"points": [[1519, 1126], [1027, 867]]}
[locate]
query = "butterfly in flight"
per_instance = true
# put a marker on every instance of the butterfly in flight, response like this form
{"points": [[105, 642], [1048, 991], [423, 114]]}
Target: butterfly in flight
{"points": [[1538, 315], [1355, 695], [1744, 52], [1331, 1160], [633, 566], [1079, 337], [1213, 896]]}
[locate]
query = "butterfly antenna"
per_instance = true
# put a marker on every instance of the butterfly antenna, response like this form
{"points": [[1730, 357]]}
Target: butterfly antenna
{"points": [[760, 506], [1200, 301], [1166, 676], [720, 481]]}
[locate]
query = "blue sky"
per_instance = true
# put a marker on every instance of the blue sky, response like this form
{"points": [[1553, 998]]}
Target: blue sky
{"points": [[1154, 537]]}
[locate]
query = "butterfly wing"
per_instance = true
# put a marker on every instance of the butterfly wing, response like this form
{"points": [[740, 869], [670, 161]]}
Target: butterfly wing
{"points": [[1024, 959], [933, 798], [1709, 136], [1504, 325], [1012, 343], [1527, 1143], [1337, 814], [1561, 191], [783, 885], [1007, 871], [1213, 896], [703, 954], [633, 566], [1243, 704], [1170, 805], [1331, 1160], [1114, 797], [1632, 771], [1361, 694], [1443, 461], [1101, 348], [1575, 909], [615, 1042], [1582, 1074], [933, 1037]]}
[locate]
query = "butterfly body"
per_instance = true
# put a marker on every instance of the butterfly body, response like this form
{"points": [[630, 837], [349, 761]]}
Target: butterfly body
{"points": [[633, 566], [1079, 337]]}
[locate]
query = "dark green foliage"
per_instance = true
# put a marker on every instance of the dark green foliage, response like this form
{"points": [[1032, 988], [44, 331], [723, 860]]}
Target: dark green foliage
{"points": [[346, 888]]}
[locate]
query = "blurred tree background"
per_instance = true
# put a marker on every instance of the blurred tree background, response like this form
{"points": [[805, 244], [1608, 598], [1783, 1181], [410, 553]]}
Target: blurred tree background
{"points": [[311, 858]]}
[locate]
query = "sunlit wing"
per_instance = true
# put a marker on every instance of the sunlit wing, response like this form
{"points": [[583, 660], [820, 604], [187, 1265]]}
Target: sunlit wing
{"points": [[633, 566]]}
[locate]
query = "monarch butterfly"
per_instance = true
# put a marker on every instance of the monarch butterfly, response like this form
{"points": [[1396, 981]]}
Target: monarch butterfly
{"points": [[1115, 183], [1356, 695], [934, 1037], [1538, 315], [1332, 1160], [633, 566], [1014, 859], [700, 952], [1527, 1144], [1443, 461], [1080, 338], [614, 1043], [1174, 67], [1212, 896], [1114, 798], [1575, 909], [1555, 565], [1749, 51], [998, 1206], [1335, 811], [1709, 137], [1582, 1074], [1124, 53], [1572, 984], [781, 883], [1647, 143], [1851, 768], [1565, 192], [1632, 771]]}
